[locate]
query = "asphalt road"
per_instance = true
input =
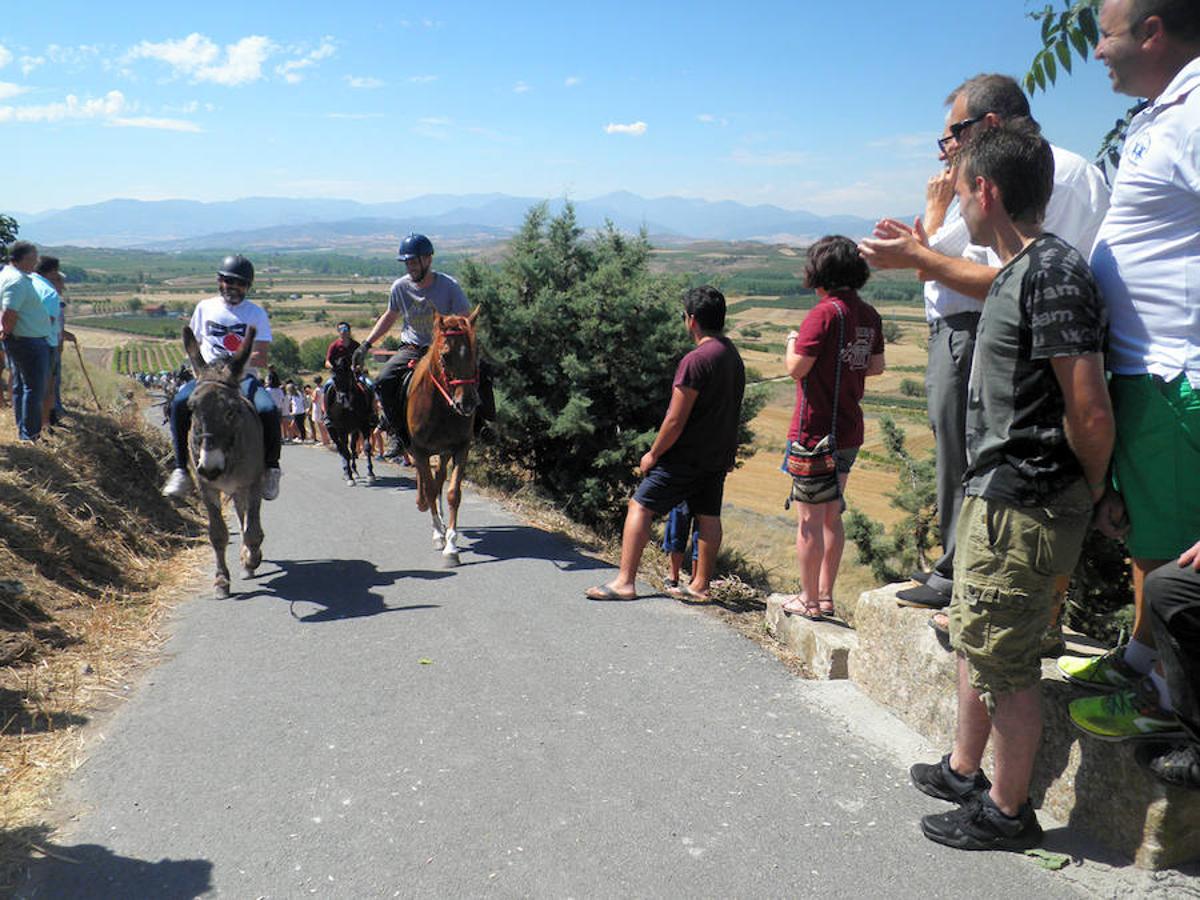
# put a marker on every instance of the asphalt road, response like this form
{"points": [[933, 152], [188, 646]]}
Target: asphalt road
{"points": [[357, 721]]}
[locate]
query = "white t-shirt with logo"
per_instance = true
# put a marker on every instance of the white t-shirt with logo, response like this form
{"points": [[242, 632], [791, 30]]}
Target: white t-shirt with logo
{"points": [[1147, 255], [220, 328]]}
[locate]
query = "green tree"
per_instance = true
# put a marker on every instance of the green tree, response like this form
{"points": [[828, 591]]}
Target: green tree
{"points": [[312, 353], [285, 354], [585, 340], [8, 233], [135, 304]]}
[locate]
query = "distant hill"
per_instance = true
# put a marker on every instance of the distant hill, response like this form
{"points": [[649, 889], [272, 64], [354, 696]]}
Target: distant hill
{"points": [[282, 223]]}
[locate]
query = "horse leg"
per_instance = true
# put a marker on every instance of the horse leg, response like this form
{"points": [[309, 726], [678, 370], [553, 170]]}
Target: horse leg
{"points": [[248, 508], [427, 498], [339, 439], [453, 500], [366, 436], [218, 536], [424, 478]]}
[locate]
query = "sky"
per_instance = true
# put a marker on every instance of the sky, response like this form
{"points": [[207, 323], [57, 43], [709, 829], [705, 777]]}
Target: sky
{"points": [[826, 107]]}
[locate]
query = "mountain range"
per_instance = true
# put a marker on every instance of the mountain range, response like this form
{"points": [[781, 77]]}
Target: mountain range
{"points": [[281, 223]]}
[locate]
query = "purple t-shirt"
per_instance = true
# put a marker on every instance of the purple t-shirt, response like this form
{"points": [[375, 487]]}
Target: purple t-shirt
{"points": [[710, 436]]}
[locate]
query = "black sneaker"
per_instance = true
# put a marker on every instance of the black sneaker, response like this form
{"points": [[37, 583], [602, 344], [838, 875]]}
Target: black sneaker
{"points": [[941, 781], [1177, 765], [981, 825], [923, 597]]}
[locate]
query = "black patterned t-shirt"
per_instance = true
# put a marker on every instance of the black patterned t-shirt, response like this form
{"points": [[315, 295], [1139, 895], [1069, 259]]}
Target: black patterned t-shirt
{"points": [[1043, 304]]}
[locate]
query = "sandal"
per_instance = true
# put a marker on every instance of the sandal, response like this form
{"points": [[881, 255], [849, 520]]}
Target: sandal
{"points": [[825, 604], [798, 606]]}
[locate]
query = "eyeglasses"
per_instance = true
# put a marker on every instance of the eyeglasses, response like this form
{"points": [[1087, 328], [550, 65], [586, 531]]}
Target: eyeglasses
{"points": [[956, 131], [231, 279]]}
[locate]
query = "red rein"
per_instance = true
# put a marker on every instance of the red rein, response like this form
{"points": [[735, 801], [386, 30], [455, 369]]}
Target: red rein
{"points": [[455, 382]]}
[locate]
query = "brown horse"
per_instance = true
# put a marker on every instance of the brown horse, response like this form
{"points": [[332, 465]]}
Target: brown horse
{"points": [[442, 398], [226, 452]]}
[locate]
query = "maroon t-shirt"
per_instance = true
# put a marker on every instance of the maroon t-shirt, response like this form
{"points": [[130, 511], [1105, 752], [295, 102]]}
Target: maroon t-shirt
{"points": [[710, 435], [340, 349], [863, 338]]}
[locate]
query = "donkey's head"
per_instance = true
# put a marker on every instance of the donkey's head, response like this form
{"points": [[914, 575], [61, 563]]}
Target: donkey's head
{"points": [[225, 428]]}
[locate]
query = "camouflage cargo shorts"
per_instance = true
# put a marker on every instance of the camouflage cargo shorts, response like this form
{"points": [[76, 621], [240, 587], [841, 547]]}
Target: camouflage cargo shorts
{"points": [[1006, 564]]}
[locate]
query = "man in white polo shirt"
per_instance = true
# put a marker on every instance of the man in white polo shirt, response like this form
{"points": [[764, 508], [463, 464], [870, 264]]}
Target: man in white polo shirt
{"points": [[957, 276], [1147, 262]]}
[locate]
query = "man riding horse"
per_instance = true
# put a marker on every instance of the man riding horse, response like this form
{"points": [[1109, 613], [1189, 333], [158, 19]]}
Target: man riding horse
{"points": [[416, 296], [220, 324], [341, 353]]}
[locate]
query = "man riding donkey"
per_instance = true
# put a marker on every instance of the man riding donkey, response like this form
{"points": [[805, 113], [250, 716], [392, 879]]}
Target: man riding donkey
{"points": [[416, 296], [220, 324]]}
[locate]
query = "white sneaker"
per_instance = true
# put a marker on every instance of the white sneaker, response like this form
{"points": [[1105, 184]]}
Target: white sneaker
{"points": [[270, 483], [178, 485]]}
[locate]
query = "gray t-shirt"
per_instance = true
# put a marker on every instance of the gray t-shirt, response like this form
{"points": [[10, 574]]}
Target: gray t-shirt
{"points": [[1043, 304], [417, 305]]}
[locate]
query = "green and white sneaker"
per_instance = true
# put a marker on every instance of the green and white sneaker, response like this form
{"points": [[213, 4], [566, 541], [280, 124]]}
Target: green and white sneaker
{"points": [[1132, 714], [1109, 672]]}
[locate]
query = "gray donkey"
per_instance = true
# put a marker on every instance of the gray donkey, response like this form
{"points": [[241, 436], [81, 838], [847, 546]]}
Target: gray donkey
{"points": [[226, 452]]}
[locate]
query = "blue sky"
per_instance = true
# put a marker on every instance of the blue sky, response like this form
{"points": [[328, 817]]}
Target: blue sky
{"points": [[827, 107]]}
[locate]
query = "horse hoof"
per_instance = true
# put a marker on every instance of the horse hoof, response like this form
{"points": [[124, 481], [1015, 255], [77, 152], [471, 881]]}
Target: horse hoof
{"points": [[450, 560], [439, 542], [221, 591], [350, 482]]}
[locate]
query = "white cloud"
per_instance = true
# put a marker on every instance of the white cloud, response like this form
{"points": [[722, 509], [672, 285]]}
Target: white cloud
{"points": [[290, 71], [364, 83], [151, 122], [72, 56], [198, 58], [341, 115], [710, 119], [5, 56], [422, 79], [634, 128], [185, 108], [434, 127], [29, 63], [109, 109], [110, 105], [520, 88], [571, 81], [8, 89]]}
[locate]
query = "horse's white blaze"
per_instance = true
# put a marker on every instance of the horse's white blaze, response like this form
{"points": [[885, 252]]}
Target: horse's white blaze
{"points": [[451, 548], [211, 460]]}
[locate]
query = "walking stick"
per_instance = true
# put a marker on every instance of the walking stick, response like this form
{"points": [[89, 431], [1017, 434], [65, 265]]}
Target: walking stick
{"points": [[87, 377]]}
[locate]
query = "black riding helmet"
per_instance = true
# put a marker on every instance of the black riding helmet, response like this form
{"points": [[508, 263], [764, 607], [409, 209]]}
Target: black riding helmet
{"points": [[237, 266], [415, 245]]}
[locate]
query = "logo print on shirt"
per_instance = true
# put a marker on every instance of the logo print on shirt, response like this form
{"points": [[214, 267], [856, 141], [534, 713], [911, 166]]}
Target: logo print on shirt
{"points": [[228, 337], [1140, 148]]}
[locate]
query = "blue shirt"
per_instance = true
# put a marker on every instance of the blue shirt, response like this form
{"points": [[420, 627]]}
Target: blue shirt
{"points": [[18, 294], [52, 303]]}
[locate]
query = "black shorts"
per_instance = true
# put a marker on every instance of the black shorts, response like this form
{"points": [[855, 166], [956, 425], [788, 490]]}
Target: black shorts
{"points": [[668, 486]]}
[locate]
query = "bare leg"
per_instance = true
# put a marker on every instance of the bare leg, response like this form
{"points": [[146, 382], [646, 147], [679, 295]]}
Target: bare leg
{"points": [[708, 530], [1017, 728], [973, 728], [1142, 633], [633, 541], [676, 563], [810, 548]]}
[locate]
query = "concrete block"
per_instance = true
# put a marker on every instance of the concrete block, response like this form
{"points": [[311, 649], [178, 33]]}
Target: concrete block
{"points": [[825, 647], [1094, 786]]}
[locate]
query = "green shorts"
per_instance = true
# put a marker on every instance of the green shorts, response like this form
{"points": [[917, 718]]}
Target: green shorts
{"points": [[1156, 462], [1006, 564]]}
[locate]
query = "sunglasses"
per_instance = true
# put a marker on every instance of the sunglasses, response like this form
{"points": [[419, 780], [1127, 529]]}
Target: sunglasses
{"points": [[230, 279], [956, 131]]}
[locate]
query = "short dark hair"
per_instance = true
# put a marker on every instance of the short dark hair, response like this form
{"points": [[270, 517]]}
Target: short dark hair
{"points": [[706, 305], [47, 265], [834, 262], [340, 324], [1180, 18], [991, 93], [20, 250], [1018, 160]]}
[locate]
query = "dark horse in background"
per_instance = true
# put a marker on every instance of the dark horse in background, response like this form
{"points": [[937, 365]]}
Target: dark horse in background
{"points": [[226, 445], [442, 399], [349, 410]]}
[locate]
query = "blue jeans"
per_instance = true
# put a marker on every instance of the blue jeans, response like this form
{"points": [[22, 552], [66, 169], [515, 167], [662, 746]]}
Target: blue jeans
{"points": [[268, 413], [30, 362]]}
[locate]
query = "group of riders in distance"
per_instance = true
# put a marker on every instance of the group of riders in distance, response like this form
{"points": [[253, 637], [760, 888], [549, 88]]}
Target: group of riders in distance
{"points": [[225, 428]]}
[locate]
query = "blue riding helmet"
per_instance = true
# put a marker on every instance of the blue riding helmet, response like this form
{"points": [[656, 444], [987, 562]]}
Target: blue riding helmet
{"points": [[413, 246]]}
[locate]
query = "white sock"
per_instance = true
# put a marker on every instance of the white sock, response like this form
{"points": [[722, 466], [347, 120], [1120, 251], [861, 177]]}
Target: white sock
{"points": [[1140, 657], [1164, 693]]}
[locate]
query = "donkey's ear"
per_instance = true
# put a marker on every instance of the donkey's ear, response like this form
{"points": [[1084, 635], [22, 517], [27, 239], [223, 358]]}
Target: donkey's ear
{"points": [[238, 362], [474, 315], [192, 348]]}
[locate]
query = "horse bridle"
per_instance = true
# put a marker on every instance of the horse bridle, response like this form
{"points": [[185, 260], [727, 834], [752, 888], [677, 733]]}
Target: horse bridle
{"points": [[452, 383]]}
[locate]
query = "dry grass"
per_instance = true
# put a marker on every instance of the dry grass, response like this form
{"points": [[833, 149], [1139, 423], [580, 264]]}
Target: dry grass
{"points": [[97, 554]]}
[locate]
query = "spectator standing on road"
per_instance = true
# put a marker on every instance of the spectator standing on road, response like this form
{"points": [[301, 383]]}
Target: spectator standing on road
{"points": [[1039, 438], [1147, 262], [220, 324], [24, 329], [694, 449], [957, 276], [318, 412], [839, 344]]}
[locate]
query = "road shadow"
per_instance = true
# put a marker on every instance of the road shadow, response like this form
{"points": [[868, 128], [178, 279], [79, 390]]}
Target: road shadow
{"points": [[340, 587], [36, 867], [523, 542], [392, 481], [20, 713]]}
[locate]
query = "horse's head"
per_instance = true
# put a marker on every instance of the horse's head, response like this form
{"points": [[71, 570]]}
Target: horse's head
{"points": [[454, 353], [221, 417], [343, 375]]}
